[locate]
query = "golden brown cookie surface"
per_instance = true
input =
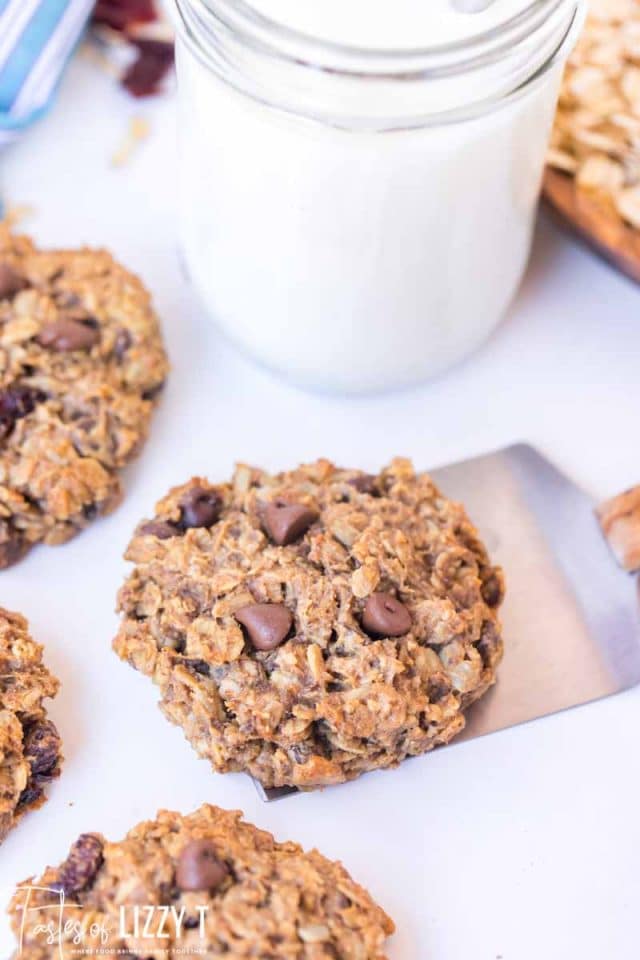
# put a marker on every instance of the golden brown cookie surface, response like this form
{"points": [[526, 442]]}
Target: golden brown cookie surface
{"points": [[310, 626], [220, 888], [81, 361], [30, 748]]}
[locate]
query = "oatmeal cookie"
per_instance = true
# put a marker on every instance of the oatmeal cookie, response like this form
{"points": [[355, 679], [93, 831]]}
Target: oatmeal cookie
{"points": [[310, 626], [81, 362], [30, 749], [219, 886]]}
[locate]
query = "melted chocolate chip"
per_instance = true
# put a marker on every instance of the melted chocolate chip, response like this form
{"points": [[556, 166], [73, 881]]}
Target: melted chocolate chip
{"points": [[385, 616], [10, 282], [65, 336], [365, 483], [162, 529], [200, 508], [287, 522], [200, 667], [267, 624], [79, 870], [17, 402], [199, 867]]}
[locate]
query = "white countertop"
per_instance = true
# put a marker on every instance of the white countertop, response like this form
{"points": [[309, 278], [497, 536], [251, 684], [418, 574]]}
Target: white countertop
{"points": [[520, 846]]}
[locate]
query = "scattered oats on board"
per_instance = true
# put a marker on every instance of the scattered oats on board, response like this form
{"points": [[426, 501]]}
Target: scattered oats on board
{"points": [[596, 136]]}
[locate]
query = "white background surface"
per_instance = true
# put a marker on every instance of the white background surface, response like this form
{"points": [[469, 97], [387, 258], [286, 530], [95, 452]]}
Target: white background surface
{"points": [[520, 846]]}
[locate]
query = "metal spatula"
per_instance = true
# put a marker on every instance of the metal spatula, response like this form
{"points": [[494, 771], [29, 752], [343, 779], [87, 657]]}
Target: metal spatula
{"points": [[570, 618]]}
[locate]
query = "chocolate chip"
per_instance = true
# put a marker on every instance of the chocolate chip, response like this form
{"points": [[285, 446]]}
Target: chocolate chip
{"points": [[161, 529], [199, 867], [438, 686], [152, 392], [90, 511], [200, 667], [79, 870], [287, 522], [64, 336], [385, 616], [365, 483], [266, 623], [200, 508], [16, 402], [10, 282]]}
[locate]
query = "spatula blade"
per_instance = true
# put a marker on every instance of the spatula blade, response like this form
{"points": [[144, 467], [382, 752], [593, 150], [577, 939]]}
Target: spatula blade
{"points": [[570, 617]]}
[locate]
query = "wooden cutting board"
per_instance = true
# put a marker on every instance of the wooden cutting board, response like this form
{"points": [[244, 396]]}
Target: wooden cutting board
{"points": [[595, 225]]}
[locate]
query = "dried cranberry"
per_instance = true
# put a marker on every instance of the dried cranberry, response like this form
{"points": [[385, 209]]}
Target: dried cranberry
{"points": [[42, 749], [13, 546], [30, 795], [492, 591], [120, 14], [17, 402], [148, 70], [78, 872], [41, 745]]}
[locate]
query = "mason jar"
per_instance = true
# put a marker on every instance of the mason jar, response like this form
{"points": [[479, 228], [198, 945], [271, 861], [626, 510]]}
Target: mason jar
{"points": [[358, 180]]}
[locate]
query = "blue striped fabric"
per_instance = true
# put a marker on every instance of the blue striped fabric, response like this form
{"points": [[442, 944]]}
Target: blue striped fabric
{"points": [[37, 38]]}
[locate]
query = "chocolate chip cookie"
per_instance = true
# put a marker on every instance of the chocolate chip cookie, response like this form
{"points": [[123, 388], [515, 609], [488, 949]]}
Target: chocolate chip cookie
{"points": [[205, 885], [81, 363], [313, 625], [30, 749]]}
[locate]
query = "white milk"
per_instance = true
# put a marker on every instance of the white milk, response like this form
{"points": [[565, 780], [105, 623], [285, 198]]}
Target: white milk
{"points": [[361, 251]]}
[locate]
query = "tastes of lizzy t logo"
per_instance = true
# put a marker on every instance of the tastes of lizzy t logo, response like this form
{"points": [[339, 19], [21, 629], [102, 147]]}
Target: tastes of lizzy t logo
{"points": [[74, 930]]}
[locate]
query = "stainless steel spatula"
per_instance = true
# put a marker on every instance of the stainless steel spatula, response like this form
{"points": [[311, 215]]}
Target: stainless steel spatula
{"points": [[570, 618]]}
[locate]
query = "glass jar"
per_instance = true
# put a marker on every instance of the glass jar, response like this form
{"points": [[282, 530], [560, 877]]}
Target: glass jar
{"points": [[360, 218]]}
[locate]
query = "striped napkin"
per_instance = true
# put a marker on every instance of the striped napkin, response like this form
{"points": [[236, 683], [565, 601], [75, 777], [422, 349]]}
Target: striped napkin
{"points": [[37, 38]]}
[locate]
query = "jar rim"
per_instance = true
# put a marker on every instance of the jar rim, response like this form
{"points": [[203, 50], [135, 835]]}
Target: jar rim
{"points": [[264, 31], [361, 88]]}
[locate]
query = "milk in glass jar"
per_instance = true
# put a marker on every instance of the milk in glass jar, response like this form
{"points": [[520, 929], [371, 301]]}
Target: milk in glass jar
{"points": [[359, 178]]}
